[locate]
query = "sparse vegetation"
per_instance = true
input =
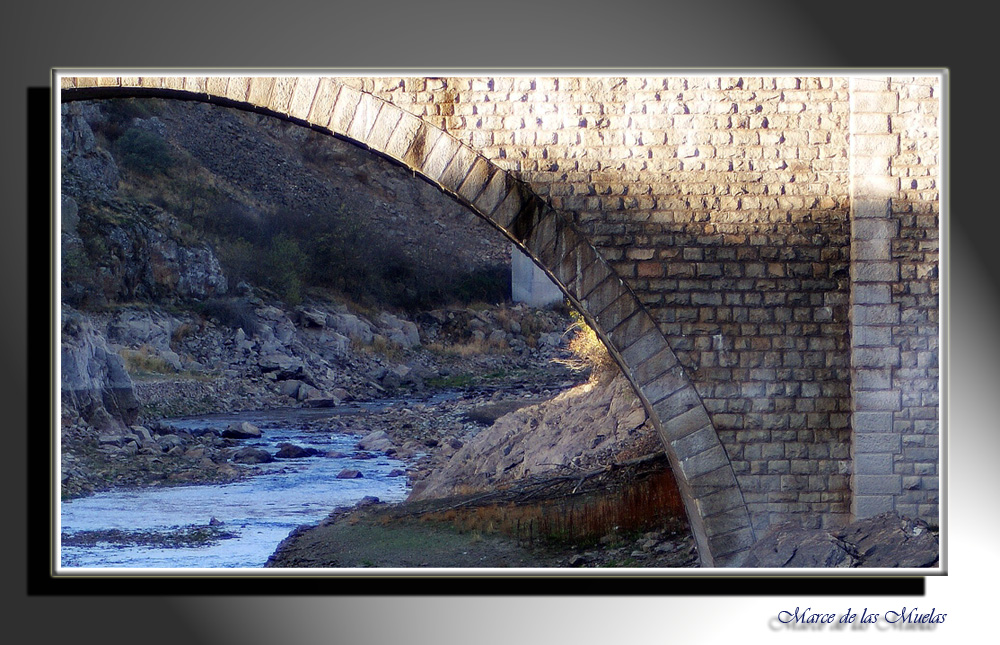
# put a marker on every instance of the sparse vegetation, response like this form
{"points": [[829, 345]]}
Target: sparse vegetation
{"points": [[142, 151], [285, 249], [588, 352], [144, 362]]}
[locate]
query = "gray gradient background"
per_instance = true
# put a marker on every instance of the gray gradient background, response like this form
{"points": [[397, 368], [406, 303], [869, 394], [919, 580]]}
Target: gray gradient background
{"points": [[502, 35]]}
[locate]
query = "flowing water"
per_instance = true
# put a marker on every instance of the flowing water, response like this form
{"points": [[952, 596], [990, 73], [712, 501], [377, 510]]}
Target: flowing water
{"points": [[260, 511]]}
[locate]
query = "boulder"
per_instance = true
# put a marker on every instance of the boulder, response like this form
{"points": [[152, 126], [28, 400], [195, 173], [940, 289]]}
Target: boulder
{"points": [[351, 326], [282, 365], [291, 451], [349, 473], [243, 430], [377, 440], [251, 455]]}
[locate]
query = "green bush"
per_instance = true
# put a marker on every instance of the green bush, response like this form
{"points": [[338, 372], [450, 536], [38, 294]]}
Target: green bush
{"points": [[143, 151]]}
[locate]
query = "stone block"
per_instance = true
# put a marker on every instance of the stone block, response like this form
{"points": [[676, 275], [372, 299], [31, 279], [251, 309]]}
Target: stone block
{"points": [[729, 549], [623, 306], [875, 272], [385, 125], [704, 462], [875, 314], [865, 505], [365, 114], [727, 521], [875, 357], [712, 481], [868, 145], [666, 384], [507, 211], [302, 97], [877, 401], [878, 485], [281, 94], [873, 206], [323, 101], [697, 442], [877, 443], [494, 193], [636, 326], [647, 345], [880, 102], [653, 366], [410, 134], [871, 250], [874, 229], [215, 85], [873, 464], [877, 165], [870, 123], [458, 168], [683, 423], [874, 187], [873, 422], [476, 181], [873, 379], [238, 88], [871, 294]]}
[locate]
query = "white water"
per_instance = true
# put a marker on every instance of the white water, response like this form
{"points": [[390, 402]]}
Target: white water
{"points": [[261, 510]]}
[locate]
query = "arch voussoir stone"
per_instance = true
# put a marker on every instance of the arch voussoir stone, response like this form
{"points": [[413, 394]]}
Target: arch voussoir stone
{"points": [[718, 515]]}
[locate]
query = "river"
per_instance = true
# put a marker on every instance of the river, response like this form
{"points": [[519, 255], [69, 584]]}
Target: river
{"points": [[259, 511]]}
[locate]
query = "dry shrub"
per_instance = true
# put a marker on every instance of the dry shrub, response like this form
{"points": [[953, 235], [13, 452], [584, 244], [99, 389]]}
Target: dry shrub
{"points": [[589, 353]]}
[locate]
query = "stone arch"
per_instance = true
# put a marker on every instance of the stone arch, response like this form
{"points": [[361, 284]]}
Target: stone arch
{"points": [[713, 500]]}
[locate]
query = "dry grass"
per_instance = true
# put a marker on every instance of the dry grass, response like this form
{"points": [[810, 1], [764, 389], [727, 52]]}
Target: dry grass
{"points": [[145, 362], [380, 346], [473, 347]]}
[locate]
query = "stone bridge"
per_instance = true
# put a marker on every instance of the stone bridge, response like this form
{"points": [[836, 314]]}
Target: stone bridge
{"points": [[759, 253]]}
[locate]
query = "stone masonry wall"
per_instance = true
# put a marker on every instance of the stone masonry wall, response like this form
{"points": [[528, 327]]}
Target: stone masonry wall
{"points": [[723, 202]]}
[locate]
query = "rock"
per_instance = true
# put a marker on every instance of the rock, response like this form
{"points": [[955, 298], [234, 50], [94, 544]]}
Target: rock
{"points": [[312, 318], [281, 365], [169, 442], [290, 388], [351, 326], [94, 377], [85, 165], [889, 540], [307, 391], [349, 473], [321, 401], [545, 437], [884, 541], [291, 451], [790, 545], [242, 430], [377, 440], [251, 455]]}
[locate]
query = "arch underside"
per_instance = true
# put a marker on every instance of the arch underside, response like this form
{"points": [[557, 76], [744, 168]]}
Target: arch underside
{"points": [[715, 506]]}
